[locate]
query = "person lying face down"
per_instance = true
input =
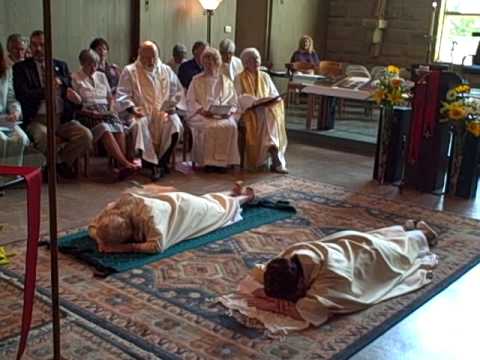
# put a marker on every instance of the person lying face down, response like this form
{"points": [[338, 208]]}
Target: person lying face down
{"points": [[154, 218], [345, 272]]}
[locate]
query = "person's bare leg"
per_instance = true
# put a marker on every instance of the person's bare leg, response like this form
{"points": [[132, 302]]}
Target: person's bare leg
{"points": [[237, 189], [115, 151], [247, 196], [121, 141], [430, 234]]}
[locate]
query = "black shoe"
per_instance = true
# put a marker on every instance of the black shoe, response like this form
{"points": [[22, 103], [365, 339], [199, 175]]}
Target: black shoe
{"points": [[66, 171], [157, 173]]}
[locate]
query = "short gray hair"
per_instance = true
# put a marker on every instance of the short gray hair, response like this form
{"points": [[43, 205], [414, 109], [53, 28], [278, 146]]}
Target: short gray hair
{"points": [[15, 38], [226, 46], [88, 56], [250, 53]]}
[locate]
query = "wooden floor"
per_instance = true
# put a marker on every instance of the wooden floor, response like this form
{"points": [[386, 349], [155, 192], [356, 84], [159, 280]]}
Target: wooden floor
{"points": [[444, 328]]}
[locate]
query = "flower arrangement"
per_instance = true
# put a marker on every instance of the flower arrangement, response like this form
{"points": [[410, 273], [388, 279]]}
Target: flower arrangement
{"points": [[391, 89], [462, 110]]}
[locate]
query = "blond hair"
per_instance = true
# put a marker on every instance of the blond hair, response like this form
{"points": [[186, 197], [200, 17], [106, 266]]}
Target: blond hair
{"points": [[310, 48]]}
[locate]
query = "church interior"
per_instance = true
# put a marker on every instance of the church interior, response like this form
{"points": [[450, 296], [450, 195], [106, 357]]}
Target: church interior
{"points": [[158, 159]]}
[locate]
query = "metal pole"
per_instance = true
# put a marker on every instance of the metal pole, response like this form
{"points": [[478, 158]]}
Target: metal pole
{"points": [[209, 26], [52, 176]]}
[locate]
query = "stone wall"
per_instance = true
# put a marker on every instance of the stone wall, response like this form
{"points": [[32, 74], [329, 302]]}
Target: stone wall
{"points": [[349, 32]]}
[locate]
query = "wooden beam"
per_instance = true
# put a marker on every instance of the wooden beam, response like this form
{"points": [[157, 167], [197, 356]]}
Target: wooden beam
{"points": [[52, 176], [135, 29]]}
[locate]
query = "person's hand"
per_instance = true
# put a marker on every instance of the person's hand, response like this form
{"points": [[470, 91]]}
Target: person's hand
{"points": [[73, 96], [97, 115], [13, 117], [260, 293], [266, 304], [206, 113], [57, 82], [138, 112]]}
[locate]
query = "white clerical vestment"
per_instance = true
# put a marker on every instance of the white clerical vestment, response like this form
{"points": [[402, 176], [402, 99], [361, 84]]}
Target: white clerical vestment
{"points": [[233, 68], [163, 220], [215, 141], [155, 92], [350, 270]]}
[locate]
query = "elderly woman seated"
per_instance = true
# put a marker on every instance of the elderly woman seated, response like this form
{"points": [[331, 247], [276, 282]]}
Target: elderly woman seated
{"points": [[154, 218], [93, 88], [305, 55], [264, 125], [212, 103], [12, 138]]}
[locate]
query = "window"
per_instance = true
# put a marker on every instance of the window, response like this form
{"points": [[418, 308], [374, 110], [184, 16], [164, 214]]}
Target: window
{"points": [[457, 21]]}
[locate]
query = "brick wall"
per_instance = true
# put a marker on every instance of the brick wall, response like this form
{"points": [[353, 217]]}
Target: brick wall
{"points": [[404, 42]]}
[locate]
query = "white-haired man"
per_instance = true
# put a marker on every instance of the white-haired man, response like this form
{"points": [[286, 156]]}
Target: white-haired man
{"points": [[231, 65], [150, 91]]}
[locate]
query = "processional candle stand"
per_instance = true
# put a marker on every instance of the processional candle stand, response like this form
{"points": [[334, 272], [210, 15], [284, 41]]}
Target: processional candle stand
{"points": [[209, 6]]}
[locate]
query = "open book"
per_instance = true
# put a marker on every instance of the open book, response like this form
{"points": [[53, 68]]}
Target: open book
{"points": [[7, 125], [249, 102], [220, 110]]}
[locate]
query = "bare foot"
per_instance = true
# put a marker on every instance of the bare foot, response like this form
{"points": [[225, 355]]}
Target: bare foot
{"points": [[237, 188], [250, 193], [430, 234]]}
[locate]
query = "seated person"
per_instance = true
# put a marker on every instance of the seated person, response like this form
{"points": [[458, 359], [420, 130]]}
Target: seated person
{"points": [[192, 67], [12, 138], [345, 272], [305, 54], [112, 71], [29, 79], [214, 140], [231, 65], [93, 88], [178, 57], [150, 91], [155, 218], [265, 125], [17, 48]]}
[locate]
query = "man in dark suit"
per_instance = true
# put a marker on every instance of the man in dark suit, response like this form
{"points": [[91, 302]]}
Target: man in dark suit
{"points": [[29, 76], [192, 67]]}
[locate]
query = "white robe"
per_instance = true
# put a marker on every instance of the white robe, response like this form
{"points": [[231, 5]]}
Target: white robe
{"points": [[215, 141], [233, 68], [346, 272], [267, 129], [155, 93], [162, 220]]}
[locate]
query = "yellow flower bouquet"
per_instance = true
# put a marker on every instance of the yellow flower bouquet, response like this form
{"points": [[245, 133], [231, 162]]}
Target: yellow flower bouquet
{"points": [[463, 113], [462, 110], [391, 89]]}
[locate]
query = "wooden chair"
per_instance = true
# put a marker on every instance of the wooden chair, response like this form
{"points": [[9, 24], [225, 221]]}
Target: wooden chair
{"points": [[294, 89], [331, 69]]}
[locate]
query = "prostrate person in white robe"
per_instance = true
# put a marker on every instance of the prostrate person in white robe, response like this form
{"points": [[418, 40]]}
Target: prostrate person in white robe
{"points": [[149, 90], [214, 136], [154, 218], [265, 133], [345, 272], [231, 65]]}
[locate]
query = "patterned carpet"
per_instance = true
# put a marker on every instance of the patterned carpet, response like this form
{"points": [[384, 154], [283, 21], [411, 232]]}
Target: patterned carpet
{"points": [[165, 310]]}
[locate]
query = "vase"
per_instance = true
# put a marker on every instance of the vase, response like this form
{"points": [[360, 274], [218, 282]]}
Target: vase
{"points": [[383, 141], [467, 180], [457, 147]]}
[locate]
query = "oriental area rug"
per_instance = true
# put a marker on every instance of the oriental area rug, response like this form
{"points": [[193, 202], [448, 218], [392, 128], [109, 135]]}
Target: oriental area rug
{"points": [[165, 310]]}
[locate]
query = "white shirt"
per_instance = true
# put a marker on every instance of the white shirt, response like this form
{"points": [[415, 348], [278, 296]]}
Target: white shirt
{"points": [[232, 69], [92, 89]]}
